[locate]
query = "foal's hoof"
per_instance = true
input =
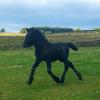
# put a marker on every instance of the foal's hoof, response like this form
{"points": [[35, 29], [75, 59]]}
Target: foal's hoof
{"points": [[57, 80], [80, 78], [62, 81], [29, 82]]}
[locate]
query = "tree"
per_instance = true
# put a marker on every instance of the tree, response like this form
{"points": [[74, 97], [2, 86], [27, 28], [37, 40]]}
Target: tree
{"points": [[23, 30], [2, 30], [77, 29]]}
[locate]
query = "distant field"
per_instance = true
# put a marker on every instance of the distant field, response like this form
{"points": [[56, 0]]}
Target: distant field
{"points": [[16, 64], [15, 40], [11, 34], [75, 37]]}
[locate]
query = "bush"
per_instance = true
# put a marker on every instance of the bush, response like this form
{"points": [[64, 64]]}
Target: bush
{"points": [[2, 30], [96, 29], [77, 29]]}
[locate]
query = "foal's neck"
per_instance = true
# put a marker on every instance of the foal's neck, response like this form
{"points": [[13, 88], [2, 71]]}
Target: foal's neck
{"points": [[40, 41], [41, 44]]}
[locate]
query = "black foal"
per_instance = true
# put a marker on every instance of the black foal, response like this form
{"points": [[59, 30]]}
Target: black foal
{"points": [[48, 52]]}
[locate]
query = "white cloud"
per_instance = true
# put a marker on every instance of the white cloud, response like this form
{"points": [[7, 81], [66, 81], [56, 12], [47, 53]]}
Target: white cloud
{"points": [[23, 2], [91, 4], [48, 12], [34, 2], [86, 3]]}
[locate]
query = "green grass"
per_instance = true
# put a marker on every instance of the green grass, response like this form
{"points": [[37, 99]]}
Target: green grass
{"points": [[16, 64]]}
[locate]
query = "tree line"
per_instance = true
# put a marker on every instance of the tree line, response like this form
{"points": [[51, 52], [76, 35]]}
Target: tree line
{"points": [[50, 30]]}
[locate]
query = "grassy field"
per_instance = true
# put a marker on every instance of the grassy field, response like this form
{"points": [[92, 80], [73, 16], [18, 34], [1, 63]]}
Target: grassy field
{"points": [[15, 66]]}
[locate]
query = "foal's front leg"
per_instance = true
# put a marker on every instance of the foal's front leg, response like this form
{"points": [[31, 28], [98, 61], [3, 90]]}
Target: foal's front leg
{"points": [[55, 78], [37, 62], [64, 73]]}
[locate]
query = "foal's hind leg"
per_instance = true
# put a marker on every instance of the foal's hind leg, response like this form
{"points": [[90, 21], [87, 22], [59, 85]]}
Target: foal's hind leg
{"points": [[55, 78], [75, 70], [37, 62]]}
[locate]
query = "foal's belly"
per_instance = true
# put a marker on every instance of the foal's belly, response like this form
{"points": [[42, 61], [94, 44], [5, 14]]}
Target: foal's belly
{"points": [[53, 58]]}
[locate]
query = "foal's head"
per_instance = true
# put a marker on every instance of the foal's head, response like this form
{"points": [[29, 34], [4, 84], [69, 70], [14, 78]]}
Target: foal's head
{"points": [[33, 37]]}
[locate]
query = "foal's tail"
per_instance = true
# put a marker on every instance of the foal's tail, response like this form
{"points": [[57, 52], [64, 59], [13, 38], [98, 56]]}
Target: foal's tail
{"points": [[72, 46]]}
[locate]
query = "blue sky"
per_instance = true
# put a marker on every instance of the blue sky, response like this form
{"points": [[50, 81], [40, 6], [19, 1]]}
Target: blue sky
{"points": [[15, 14]]}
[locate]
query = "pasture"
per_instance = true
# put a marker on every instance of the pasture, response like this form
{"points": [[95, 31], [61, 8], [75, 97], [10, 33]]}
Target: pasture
{"points": [[15, 65]]}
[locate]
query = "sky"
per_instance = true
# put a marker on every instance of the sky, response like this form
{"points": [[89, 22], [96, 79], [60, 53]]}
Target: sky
{"points": [[16, 14]]}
